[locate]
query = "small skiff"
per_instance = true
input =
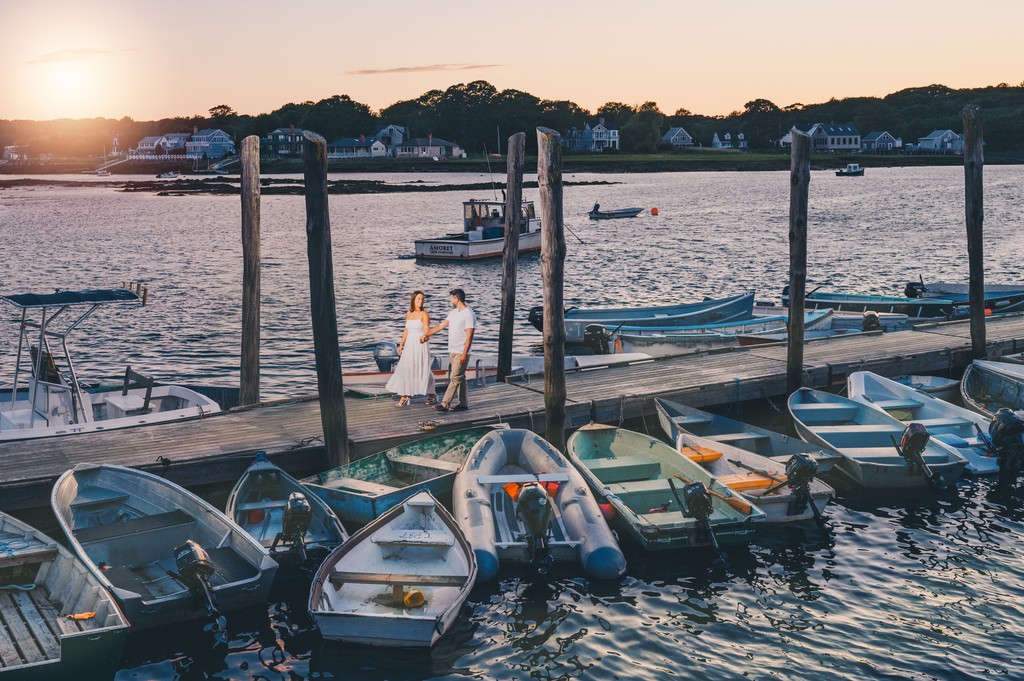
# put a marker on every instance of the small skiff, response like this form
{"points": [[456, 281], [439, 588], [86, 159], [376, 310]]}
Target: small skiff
{"points": [[283, 516], [961, 428], [399, 581], [165, 554], [653, 491], [520, 501], [61, 623], [867, 439], [989, 386], [597, 214]]}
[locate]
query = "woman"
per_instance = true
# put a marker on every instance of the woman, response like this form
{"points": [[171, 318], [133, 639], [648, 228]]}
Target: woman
{"points": [[413, 375]]}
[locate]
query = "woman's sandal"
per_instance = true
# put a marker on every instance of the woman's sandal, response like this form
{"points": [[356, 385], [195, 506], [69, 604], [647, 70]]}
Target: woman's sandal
{"points": [[402, 402], [431, 400]]}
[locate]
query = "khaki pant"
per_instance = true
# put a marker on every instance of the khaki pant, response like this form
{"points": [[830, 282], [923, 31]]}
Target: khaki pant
{"points": [[456, 382]]}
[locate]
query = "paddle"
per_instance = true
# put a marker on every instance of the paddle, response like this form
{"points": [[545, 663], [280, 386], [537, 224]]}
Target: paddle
{"points": [[735, 502], [916, 440], [701, 514], [776, 478]]}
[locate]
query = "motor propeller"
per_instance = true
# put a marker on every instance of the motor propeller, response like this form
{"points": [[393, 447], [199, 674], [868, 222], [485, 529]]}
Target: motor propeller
{"points": [[298, 515], [533, 509], [911, 447]]}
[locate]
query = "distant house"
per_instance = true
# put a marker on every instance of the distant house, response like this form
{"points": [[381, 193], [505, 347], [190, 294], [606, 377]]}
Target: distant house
{"points": [[677, 137], [16, 152], [604, 136], [284, 142], [391, 135], [160, 146], [361, 147], [941, 142], [729, 140], [174, 142], [429, 147], [880, 142], [835, 138], [592, 139], [211, 143]]}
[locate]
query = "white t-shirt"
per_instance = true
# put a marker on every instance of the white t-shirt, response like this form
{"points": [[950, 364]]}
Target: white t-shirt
{"points": [[459, 321]]}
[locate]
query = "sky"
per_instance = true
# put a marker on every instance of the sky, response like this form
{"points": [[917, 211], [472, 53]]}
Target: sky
{"points": [[150, 60]]}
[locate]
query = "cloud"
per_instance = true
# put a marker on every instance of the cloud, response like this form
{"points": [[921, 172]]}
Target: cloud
{"points": [[422, 69], [73, 55]]}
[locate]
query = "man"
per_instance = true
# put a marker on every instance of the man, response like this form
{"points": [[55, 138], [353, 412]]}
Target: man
{"points": [[461, 323]]}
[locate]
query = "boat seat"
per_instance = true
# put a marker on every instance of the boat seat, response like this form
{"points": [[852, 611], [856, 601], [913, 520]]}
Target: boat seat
{"points": [[390, 579], [359, 486], [425, 462], [819, 413], [899, 404], [953, 422], [736, 438], [889, 455], [744, 482], [132, 526], [685, 421], [29, 556], [700, 454], [96, 496], [658, 485], [413, 537], [623, 468], [522, 478], [265, 505]]}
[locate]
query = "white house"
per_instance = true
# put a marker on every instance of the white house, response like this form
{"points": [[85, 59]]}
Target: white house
{"points": [[941, 142], [16, 152], [604, 136], [677, 137], [429, 147], [391, 135], [351, 147], [879, 142], [729, 141], [837, 138]]}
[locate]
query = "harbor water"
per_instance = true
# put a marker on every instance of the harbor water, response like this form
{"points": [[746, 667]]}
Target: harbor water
{"points": [[898, 587]]}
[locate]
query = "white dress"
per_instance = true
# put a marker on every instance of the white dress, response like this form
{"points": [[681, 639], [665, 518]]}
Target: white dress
{"points": [[413, 375]]}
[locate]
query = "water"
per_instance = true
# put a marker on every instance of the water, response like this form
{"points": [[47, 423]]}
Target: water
{"points": [[911, 588]]}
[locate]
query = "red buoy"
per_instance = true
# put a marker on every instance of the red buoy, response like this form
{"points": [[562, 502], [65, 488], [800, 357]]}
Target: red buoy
{"points": [[654, 211]]}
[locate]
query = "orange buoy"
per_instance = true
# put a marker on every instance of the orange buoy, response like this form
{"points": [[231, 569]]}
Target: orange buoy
{"points": [[654, 211]]}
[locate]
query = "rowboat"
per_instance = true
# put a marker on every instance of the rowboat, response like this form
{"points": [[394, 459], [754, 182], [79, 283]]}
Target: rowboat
{"points": [[848, 320], [399, 581], [638, 476], [704, 312], [519, 501], [483, 233], [989, 386], [659, 341], [597, 214], [282, 515], [786, 492], [914, 308], [362, 490], [60, 621], [165, 554], [936, 386], [871, 442], [999, 298], [47, 399], [777, 446], [957, 427]]}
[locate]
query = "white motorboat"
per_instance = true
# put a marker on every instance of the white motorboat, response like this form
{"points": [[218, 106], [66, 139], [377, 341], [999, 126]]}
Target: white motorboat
{"points": [[47, 399], [483, 233]]}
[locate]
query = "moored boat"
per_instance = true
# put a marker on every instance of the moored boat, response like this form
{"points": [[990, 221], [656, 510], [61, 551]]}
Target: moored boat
{"points": [[989, 386], [483, 233], [165, 554], [957, 427], [597, 214], [936, 386], [914, 308], [288, 520], [999, 298], [399, 581], [851, 170], [364, 489], [60, 621], [878, 451], [520, 501], [47, 399], [639, 476]]}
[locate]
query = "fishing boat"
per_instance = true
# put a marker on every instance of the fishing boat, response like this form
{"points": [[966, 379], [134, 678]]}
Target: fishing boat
{"points": [[851, 170], [660, 498], [360, 491], [47, 399], [878, 451], [999, 298], [777, 446], [102, 173], [170, 175], [960, 428], [597, 214], [483, 233], [60, 621], [937, 386], [989, 386], [705, 312], [165, 554], [400, 581], [914, 308], [659, 341], [283, 516], [519, 501]]}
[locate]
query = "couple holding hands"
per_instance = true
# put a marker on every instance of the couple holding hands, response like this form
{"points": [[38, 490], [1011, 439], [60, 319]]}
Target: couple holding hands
{"points": [[413, 375]]}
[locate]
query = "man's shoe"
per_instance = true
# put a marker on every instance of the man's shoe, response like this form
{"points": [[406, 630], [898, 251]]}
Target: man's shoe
{"points": [[461, 407], [440, 408]]}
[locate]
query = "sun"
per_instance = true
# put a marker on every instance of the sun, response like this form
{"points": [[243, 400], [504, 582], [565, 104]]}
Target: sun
{"points": [[68, 88]]}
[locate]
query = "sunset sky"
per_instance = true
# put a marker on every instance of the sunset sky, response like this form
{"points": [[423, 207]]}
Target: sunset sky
{"points": [[150, 60]]}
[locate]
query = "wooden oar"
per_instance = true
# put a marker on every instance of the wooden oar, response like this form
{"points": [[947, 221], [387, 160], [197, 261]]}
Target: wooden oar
{"points": [[735, 502]]}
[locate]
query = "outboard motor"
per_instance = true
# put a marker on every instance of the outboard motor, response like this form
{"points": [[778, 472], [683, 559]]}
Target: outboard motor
{"points": [[195, 569], [595, 337], [800, 470], [914, 289], [533, 509], [870, 321], [911, 447], [1007, 434], [386, 356], [536, 317], [696, 503], [297, 518]]}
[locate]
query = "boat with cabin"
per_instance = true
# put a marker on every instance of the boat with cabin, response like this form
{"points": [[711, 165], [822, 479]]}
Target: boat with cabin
{"points": [[851, 170], [170, 175], [483, 233], [597, 214], [47, 398]]}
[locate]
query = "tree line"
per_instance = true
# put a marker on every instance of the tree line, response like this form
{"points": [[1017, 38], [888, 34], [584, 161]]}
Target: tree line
{"points": [[479, 117]]}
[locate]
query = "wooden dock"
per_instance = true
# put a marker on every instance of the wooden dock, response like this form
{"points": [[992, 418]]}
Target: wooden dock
{"points": [[216, 449]]}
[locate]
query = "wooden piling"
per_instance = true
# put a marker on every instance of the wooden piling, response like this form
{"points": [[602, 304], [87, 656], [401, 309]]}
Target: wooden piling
{"points": [[513, 215], [552, 260], [799, 181], [974, 162], [321, 300], [249, 369]]}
